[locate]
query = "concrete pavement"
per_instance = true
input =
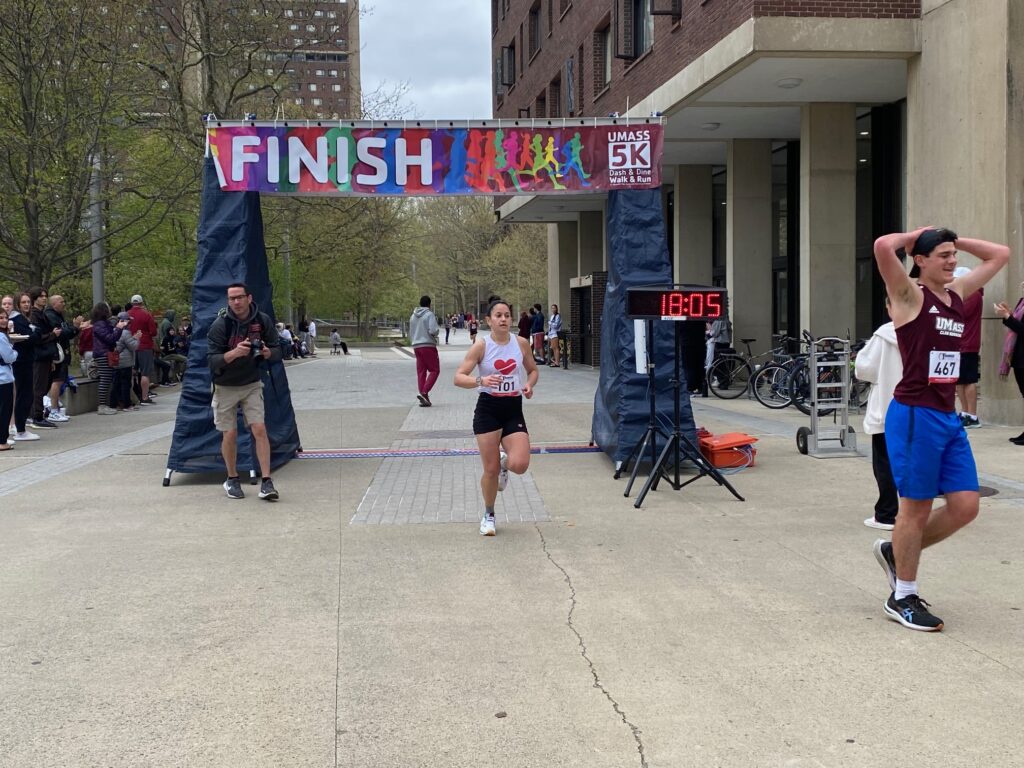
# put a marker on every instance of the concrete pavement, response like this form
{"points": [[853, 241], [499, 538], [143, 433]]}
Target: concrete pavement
{"points": [[362, 620]]}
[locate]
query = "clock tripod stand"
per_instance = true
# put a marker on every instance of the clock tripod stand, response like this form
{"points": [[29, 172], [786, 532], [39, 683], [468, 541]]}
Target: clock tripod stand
{"points": [[679, 447]]}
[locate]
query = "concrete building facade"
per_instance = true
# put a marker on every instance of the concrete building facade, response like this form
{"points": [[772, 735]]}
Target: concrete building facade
{"points": [[796, 131]]}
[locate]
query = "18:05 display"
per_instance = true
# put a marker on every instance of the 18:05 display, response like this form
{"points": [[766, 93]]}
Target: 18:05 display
{"points": [[676, 304]]}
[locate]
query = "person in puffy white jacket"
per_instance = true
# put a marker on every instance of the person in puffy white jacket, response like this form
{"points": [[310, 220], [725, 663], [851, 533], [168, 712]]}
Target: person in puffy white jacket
{"points": [[879, 362]]}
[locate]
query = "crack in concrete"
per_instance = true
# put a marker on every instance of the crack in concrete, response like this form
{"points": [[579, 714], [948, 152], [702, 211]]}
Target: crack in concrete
{"points": [[583, 652]]}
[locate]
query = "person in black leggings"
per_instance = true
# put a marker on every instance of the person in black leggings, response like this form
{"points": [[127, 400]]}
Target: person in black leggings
{"points": [[1013, 352]]}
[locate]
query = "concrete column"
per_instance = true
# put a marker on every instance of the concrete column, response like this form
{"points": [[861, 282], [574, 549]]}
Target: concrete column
{"points": [[693, 225], [965, 155], [592, 243], [828, 210], [749, 240], [563, 261]]}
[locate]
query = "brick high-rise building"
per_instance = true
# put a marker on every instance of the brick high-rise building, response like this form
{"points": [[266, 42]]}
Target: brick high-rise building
{"points": [[322, 43], [796, 131]]}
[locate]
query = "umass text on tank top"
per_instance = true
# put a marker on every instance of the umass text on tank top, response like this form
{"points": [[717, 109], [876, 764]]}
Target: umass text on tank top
{"points": [[505, 360], [930, 348]]}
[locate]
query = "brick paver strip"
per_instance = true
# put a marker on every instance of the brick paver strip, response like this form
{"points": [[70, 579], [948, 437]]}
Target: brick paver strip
{"points": [[446, 489]]}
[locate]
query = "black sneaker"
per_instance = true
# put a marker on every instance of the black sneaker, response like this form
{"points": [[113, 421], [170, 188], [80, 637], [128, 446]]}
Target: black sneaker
{"points": [[233, 488], [886, 559], [268, 491], [912, 612], [43, 424]]}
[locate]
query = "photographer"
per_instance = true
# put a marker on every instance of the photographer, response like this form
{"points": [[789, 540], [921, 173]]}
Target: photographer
{"points": [[239, 340]]}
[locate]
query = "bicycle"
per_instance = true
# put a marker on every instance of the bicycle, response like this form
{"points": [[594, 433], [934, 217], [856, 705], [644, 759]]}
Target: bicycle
{"points": [[730, 375]]}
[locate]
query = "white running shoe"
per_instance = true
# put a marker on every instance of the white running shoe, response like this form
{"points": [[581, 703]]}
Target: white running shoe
{"points": [[487, 526], [57, 418], [12, 431], [503, 472], [26, 435]]}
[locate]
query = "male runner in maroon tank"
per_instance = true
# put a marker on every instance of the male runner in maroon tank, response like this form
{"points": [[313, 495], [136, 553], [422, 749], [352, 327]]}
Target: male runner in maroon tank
{"points": [[928, 447]]}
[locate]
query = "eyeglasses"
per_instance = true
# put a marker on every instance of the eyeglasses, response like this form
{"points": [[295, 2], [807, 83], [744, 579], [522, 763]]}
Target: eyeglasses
{"points": [[237, 298]]}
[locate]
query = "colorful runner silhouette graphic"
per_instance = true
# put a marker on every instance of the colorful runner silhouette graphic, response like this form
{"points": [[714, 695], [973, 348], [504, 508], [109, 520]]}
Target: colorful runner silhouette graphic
{"points": [[571, 156]]}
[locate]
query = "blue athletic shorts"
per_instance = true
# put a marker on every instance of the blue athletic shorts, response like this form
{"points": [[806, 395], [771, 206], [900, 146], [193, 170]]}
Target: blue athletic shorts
{"points": [[929, 452]]}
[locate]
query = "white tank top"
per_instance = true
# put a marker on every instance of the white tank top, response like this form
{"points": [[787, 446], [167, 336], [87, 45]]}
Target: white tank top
{"points": [[505, 360]]}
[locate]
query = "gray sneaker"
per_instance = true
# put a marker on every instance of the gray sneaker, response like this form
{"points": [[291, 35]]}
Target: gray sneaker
{"points": [[886, 559], [268, 491], [233, 488], [487, 526]]}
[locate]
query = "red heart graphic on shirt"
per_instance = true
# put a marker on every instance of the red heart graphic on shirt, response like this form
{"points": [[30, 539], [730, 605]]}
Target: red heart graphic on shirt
{"points": [[504, 366]]}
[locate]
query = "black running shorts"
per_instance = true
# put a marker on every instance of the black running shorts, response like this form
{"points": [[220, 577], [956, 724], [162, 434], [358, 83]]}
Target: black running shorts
{"points": [[494, 413], [969, 373]]}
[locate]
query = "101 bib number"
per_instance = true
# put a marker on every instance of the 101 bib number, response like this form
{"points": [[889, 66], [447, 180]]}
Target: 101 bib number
{"points": [[507, 386]]}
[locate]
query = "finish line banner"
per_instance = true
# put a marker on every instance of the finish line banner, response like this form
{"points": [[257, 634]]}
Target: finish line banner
{"points": [[504, 158]]}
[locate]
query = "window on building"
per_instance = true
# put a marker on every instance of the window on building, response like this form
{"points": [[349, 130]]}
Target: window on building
{"points": [[336, 87], [311, 27], [319, 73], [603, 55], [570, 86], [508, 65], [635, 29], [332, 72], [318, 14], [540, 107], [317, 102], [555, 98], [288, 14], [332, 14], [300, 101], [534, 29], [312, 86], [293, 27]]}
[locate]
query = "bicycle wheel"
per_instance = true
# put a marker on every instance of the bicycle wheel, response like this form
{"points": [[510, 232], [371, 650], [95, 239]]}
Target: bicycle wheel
{"points": [[799, 385], [769, 386], [729, 377], [859, 392]]}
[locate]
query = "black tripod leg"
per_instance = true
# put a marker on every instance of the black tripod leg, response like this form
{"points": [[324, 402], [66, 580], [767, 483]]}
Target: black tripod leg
{"points": [[705, 467], [637, 453], [656, 470]]}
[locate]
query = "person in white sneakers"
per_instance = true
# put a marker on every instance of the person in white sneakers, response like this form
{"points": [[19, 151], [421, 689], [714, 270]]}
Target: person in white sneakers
{"points": [[879, 363], [498, 421]]}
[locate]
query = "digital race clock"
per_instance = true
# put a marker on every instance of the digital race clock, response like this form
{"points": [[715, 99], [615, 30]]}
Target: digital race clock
{"points": [[676, 303]]}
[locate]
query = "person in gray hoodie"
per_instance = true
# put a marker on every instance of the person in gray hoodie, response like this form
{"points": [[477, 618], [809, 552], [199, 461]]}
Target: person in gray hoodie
{"points": [[424, 333]]}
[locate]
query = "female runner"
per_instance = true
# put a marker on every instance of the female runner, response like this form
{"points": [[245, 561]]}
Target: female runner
{"points": [[498, 422]]}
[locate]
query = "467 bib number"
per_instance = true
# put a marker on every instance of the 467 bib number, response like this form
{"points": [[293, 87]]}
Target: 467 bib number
{"points": [[943, 367]]}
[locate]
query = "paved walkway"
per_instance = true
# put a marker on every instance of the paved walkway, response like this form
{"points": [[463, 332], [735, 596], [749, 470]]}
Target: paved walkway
{"points": [[150, 626]]}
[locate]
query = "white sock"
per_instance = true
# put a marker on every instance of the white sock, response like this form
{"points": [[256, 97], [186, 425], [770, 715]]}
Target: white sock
{"points": [[904, 588]]}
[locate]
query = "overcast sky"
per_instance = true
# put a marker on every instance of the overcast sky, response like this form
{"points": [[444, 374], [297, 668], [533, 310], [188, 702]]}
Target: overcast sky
{"points": [[441, 49]]}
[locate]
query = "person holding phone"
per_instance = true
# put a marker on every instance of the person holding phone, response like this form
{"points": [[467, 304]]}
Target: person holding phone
{"points": [[239, 340]]}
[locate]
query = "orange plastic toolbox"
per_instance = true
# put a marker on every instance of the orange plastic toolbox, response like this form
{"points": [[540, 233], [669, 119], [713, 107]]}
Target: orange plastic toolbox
{"points": [[729, 451]]}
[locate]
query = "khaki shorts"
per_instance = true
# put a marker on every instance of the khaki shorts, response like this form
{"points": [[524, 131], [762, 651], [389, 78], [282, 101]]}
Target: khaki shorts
{"points": [[227, 399]]}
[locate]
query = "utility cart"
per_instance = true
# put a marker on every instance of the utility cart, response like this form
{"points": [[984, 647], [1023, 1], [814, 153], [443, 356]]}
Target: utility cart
{"points": [[828, 390]]}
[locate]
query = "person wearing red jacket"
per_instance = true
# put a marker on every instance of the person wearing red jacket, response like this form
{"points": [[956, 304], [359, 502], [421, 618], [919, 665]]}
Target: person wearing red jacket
{"points": [[142, 321]]}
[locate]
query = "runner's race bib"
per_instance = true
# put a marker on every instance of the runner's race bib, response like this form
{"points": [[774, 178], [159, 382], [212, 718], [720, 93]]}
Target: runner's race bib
{"points": [[507, 386], [943, 367]]}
